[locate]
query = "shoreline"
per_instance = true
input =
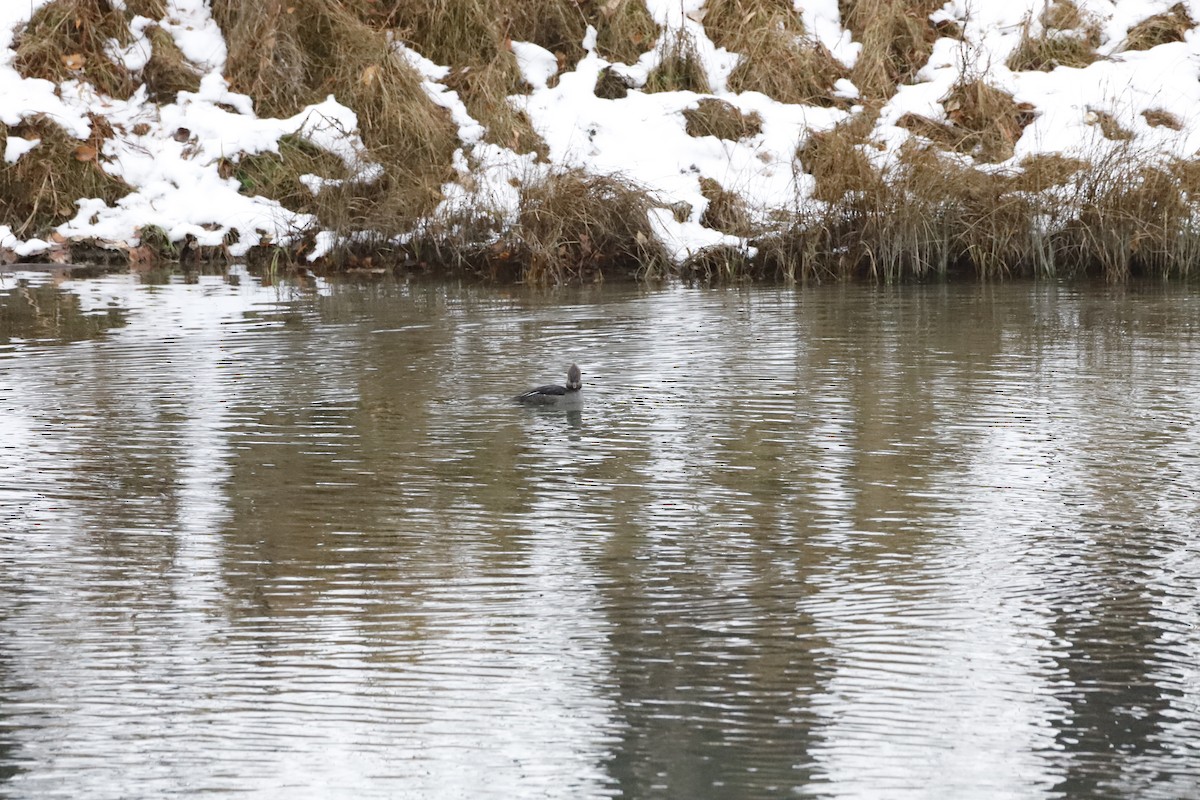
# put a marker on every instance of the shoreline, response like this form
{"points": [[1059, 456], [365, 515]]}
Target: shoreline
{"points": [[716, 140]]}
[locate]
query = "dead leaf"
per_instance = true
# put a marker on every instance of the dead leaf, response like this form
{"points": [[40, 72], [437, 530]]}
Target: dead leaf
{"points": [[57, 238], [368, 75], [73, 62], [611, 7], [85, 152], [59, 254], [142, 257], [141, 129]]}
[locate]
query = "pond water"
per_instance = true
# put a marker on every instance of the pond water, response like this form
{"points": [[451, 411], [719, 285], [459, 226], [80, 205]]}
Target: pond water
{"points": [[296, 541]]}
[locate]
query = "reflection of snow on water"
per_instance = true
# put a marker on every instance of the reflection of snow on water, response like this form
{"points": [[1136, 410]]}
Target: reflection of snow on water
{"points": [[297, 540]]}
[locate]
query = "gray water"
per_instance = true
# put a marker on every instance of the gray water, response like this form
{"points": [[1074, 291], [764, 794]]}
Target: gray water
{"points": [[295, 541]]}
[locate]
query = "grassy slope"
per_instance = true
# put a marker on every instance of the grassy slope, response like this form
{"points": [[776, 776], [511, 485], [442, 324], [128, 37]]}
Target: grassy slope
{"points": [[933, 212]]}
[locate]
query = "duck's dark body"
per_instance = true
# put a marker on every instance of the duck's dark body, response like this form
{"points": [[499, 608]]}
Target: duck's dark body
{"points": [[553, 393]]}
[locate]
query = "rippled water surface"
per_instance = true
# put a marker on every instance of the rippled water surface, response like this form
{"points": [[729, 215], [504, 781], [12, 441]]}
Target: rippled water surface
{"points": [[295, 541]]}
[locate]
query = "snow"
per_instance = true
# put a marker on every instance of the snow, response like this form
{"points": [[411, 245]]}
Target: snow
{"points": [[171, 154]]}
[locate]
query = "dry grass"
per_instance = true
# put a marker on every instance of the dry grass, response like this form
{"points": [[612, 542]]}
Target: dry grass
{"points": [[1062, 15], [574, 226], [1118, 215], [1161, 118], [167, 72], [277, 175], [624, 28], [778, 60], [288, 56], [612, 85], [1051, 50], [837, 161], [984, 122], [1162, 28], [1109, 127], [679, 68], [1136, 218], [720, 263], [897, 38], [66, 39], [484, 89], [726, 211], [1042, 172], [39, 191], [1068, 39], [712, 117]]}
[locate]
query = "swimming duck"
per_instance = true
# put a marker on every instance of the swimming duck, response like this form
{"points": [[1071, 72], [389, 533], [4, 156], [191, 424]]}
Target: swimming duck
{"points": [[552, 393]]}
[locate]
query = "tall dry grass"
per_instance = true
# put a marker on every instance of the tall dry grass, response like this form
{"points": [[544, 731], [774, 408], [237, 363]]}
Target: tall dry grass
{"points": [[39, 191], [897, 38], [1119, 214], [288, 55], [778, 59]]}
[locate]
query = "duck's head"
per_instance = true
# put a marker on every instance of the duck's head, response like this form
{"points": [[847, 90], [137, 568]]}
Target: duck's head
{"points": [[574, 378]]}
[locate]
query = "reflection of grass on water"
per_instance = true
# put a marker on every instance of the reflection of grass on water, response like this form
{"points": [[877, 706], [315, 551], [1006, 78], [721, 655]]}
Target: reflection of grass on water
{"points": [[47, 313]]}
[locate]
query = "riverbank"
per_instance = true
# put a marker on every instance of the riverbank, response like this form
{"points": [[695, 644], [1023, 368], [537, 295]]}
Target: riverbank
{"points": [[564, 141]]}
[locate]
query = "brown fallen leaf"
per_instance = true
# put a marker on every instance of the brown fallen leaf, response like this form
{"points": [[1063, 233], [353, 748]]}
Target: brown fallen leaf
{"points": [[142, 258], [85, 152], [73, 61], [59, 254]]}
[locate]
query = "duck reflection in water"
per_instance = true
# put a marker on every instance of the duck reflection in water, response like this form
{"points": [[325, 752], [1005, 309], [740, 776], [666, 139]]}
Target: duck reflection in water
{"points": [[554, 395]]}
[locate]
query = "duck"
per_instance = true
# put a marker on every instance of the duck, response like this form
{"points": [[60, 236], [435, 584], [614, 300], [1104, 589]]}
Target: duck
{"points": [[553, 394]]}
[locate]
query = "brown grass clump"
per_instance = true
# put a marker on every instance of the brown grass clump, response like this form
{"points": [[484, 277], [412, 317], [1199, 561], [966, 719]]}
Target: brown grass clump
{"points": [[837, 162], [985, 123], [726, 211], [777, 59], [473, 38], [1125, 215], [1051, 50], [1062, 15], [574, 226], [1109, 127], [897, 38], [151, 9], [277, 175], [712, 117], [39, 192], [679, 68], [484, 89], [1135, 219], [719, 263], [458, 33], [1040, 172], [991, 120], [66, 39], [1161, 118], [287, 57], [1047, 52], [1162, 28], [1068, 39], [624, 28], [612, 85], [167, 72]]}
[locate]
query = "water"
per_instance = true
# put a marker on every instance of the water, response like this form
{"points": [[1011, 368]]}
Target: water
{"points": [[294, 541]]}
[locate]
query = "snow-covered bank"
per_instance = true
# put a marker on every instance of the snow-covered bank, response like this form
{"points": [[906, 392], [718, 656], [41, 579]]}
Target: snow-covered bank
{"points": [[171, 155]]}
